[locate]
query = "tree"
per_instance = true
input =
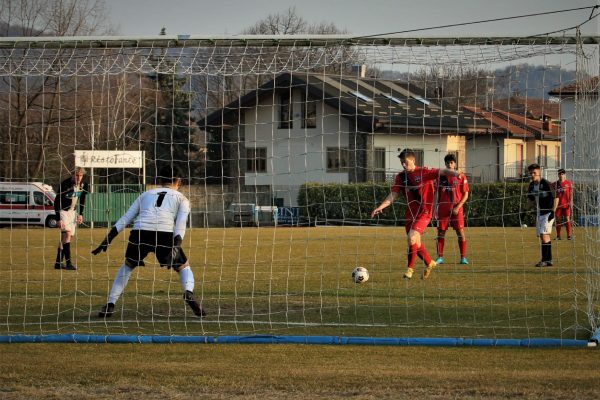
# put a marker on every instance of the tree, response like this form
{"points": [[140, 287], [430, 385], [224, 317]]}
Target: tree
{"points": [[222, 89], [38, 129], [170, 139]]}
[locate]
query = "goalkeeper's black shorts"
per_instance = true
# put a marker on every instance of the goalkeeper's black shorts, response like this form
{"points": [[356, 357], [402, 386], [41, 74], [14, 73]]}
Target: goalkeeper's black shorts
{"points": [[141, 243]]}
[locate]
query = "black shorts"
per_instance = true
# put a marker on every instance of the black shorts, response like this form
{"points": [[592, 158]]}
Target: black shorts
{"points": [[141, 243]]}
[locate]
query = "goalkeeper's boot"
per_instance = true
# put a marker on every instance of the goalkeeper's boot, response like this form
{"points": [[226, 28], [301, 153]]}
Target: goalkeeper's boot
{"points": [[439, 261], [427, 271], [59, 265], [194, 305], [409, 273], [464, 261], [107, 310]]}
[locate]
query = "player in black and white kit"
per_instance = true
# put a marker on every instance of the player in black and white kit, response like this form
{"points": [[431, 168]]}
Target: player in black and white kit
{"points": [[159, 218], [69, 205], [541, 193]]}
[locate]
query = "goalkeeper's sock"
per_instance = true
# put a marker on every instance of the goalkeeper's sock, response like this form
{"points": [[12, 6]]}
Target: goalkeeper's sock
{"points": [[186, 276], [424, 254], [412, 255], [440, 246], [120, 283], [462, 246]]}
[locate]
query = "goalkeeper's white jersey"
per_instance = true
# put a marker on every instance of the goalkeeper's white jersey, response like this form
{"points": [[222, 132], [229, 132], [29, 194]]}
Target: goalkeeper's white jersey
{"points": [[161, 209]]}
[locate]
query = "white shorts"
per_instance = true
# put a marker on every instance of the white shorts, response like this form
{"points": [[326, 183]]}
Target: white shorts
{"points": [[543, 226], [70, 219]]}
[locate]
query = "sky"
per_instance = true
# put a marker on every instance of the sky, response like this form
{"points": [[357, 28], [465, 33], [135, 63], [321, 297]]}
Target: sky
{"points": [[357, 17]]}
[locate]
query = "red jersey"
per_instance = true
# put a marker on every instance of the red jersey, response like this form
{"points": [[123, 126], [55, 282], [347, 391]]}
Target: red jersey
{"points": [[451, 189], [418, 189], [564, 192]]}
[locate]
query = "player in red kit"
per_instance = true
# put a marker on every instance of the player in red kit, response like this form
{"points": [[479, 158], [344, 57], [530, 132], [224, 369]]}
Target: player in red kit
{"points": [[564, 192], [453, 192], [416, 184]]}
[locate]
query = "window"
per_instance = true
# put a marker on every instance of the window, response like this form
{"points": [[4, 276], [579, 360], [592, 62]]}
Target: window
{"points": [[557, 156], [256, 159], [39, 198], [285, 111], [542, 155], [338, 159], [309, 111], [422, 100], [379, 164], [361, 96], [13, 198], [519, 167], [392, 98]]}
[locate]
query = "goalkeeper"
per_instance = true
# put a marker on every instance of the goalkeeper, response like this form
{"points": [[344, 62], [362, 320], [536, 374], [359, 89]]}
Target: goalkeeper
{"points": [[159, 218]]}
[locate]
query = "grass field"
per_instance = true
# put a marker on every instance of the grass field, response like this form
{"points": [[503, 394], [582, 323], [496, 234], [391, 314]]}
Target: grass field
{"points": [[297, 281]]}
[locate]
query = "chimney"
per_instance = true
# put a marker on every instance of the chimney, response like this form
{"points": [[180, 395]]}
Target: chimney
{"points": [[546, 122]]}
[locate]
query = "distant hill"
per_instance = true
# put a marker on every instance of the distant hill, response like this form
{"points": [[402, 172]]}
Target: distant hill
{"points": [[533, 81]]}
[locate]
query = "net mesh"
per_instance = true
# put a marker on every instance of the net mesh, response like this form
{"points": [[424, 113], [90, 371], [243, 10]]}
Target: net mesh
{"points": [[288, 146]]}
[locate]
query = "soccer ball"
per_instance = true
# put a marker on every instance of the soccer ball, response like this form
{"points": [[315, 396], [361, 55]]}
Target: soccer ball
{"points": [[360, 275], [524, 226]]}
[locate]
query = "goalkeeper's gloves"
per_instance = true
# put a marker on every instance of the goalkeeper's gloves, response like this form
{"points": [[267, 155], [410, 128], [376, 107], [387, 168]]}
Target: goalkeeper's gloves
{"points": [[177, 240], [551, 216], [104, 245]]}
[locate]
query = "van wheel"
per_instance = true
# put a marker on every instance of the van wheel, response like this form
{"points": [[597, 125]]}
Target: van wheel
{"points": [[51, 222]]}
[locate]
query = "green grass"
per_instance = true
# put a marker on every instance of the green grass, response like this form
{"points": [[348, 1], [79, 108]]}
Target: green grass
{"points": [[69, 371], [297, 281]]}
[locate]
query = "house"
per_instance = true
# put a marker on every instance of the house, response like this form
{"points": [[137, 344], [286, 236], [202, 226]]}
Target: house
{"points": [[314, 127], [578, 105], [514, 141]]}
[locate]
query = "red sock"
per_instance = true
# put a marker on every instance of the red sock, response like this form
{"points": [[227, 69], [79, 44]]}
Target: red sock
{"points": [[569, 227], [440, 246], [558, 228], [412, 255], [424, 255], [462, 245]]}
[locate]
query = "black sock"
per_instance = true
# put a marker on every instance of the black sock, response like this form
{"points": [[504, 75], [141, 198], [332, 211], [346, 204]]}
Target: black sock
{"points": [[59, 255], [67, 252], [547, 251]]}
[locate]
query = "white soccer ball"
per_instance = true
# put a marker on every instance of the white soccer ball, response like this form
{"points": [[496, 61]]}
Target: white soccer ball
{"points": [[524, 226], [360, 275]]}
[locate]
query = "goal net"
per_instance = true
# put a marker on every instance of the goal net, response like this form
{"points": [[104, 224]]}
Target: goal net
{"points": [[288, 143]]}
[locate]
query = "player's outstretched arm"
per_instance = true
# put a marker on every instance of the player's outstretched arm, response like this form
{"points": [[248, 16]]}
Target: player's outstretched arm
{"points": [[109, 238], [386, 203]]}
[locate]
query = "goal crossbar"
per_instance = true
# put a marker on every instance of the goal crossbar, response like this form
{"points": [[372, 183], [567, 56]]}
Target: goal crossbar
{"points": [[285, 41]]}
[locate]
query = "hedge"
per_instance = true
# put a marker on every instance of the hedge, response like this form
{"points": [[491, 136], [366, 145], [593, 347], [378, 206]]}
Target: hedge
{"points": [[489, 204]]}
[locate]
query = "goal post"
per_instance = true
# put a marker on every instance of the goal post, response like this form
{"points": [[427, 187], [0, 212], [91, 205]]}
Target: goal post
{"points": [[288, 144]]}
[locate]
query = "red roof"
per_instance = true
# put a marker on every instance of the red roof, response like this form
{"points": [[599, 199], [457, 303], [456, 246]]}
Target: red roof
{"points": [[516, 124], [590, 86]]}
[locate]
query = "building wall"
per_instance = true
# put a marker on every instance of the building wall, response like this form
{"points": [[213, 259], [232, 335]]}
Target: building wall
{"points": [[485, 156], [298, 155], [434, 149]]}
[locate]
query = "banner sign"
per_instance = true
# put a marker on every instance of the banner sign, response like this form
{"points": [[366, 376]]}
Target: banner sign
{"points": [[109, 159]]}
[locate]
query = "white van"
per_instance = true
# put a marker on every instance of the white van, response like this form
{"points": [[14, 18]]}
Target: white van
{"points": [[27, 203]]}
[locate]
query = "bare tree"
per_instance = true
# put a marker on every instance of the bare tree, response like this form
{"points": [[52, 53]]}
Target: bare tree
{"points": [[47, 111], [263, 63]]}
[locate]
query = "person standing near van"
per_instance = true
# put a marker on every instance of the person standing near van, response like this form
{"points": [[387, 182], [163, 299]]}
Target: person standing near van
{"points": [[69, 205]]}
